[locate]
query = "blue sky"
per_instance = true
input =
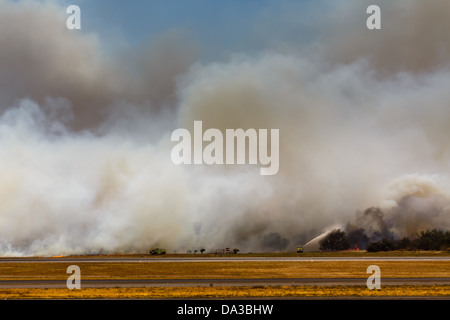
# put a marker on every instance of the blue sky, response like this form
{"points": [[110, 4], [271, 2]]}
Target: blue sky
{"points": [[217, 25]]}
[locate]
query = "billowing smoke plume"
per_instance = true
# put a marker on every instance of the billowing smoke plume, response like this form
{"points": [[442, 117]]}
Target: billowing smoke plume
{"points": [[413, 204], [85, 144]]}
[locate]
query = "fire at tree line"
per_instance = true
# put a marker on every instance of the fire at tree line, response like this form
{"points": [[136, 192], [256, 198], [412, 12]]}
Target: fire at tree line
{"points": [[356, 239], [338, 240]]}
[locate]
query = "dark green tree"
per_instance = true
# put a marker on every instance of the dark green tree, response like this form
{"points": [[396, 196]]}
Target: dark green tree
{"points": [[432, 240], [336, 240], [382, 245]]}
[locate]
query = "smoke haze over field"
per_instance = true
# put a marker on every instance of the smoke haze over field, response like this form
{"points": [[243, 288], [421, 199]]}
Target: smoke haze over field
{"points": [[85, 130]]}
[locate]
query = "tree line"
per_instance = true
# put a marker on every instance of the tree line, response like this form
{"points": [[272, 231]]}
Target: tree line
{"points": [[338, 240]]}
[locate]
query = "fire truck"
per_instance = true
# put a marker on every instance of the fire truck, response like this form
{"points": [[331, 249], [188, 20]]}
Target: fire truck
{"points": [[157, 251]]}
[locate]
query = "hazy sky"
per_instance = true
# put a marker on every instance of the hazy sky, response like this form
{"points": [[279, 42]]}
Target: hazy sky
{"points": [[216, 26]]}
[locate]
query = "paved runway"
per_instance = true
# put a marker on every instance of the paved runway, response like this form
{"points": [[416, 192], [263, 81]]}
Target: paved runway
{"points": [[139, 283]]}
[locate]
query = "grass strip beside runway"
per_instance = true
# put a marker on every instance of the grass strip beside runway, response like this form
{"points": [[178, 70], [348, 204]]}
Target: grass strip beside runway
{"points": [[230, 270], [228, 292]]}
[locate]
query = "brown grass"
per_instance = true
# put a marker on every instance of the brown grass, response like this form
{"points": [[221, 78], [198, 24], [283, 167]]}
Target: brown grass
{"points": [[222, 292], [218, 270], [225, 269]]}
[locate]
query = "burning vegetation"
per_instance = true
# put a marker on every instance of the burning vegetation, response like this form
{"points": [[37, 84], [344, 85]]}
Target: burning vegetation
{"points": [[338, 240]]}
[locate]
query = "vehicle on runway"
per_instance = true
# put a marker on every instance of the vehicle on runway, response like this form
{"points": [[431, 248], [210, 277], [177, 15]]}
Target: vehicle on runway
{"points": [[157, 251]]}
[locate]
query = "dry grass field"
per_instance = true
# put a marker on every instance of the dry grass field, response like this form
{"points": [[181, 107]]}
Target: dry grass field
{"points": [[227, 292], [219, 270], [225, 270]]}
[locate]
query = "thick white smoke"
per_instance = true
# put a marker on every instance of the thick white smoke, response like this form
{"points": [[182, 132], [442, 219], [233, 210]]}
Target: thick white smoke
{"points": [[85, 144]]}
